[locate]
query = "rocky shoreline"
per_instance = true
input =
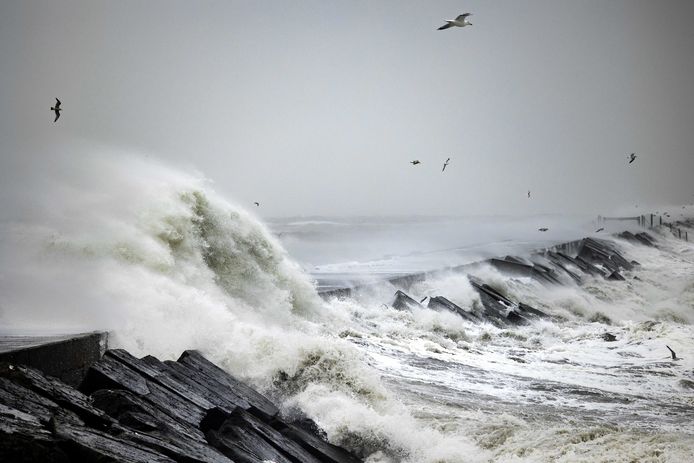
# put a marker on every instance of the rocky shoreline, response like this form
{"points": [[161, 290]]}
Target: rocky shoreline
{"points": [[144, 410]]}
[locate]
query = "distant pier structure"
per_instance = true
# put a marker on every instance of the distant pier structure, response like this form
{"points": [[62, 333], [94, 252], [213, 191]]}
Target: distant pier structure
{"points": [[649, 221]]}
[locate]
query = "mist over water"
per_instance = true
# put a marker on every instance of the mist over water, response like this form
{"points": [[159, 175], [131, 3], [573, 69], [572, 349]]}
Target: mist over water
{"points": [[154, 255]]}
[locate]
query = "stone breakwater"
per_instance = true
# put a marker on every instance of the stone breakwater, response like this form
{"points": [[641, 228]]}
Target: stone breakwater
{"points": [[127, 409], [568, 263]]}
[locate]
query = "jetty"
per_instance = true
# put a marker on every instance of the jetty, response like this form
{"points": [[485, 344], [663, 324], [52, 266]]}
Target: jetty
{"points": [[68, 398]]}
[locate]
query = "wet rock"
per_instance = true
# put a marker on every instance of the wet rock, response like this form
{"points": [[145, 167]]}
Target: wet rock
{"points": [[319, 448], [23, 439], [89, 445], [609, 337], [404, 302], [57, 392], [109, 373], [137, 413], [616, 276], [441, 303], [259, 403]]}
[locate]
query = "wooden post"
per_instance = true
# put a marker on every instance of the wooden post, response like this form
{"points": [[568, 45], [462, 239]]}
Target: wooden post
{"points": [[661, 220], [679, 233], [651, 220]]}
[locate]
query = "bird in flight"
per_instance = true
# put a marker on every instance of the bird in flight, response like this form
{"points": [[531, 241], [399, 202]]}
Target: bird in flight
{"points": [[415, 162], [460, 21], [599, 230], [672, 352], [632, 157], [528, 194], [445, 164], [257, 203], [56, 109], [543, 229]]}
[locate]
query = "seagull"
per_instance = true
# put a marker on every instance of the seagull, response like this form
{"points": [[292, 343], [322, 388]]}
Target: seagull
{"points": [[415, 162], [257, 203], [674, 356], [57, 109], [528, 194], [460, 21], [632, 157], [599, 230], [445, 164], [543, 229]]}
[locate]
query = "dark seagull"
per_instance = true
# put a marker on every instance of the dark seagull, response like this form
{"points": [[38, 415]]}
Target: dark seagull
{"points": [[543, 229], [415, 162], [632, 157], [672, 352], [56, 109], [445, 164], [257, 203], [528, 194], [599, 230], [460, 21]]}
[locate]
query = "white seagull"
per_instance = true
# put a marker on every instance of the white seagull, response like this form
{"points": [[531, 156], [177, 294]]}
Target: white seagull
{"points": [[460, 21]]}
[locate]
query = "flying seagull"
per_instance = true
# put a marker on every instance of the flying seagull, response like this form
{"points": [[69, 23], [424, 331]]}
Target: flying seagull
{"points": [[632, 157], [445, 164], [257, 203], [415, 162], [543, 229], [460, 21], [599, 230], [674, 356], [57, 109], [528, 194]]}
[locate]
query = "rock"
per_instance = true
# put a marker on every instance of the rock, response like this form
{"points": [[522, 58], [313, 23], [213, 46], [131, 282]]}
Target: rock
{"points": [[260, 404], [616, 276], [89, 445], [284, 445], [243, 445], [23, 439], [141, 415], [609, 337], [404, 302], [110, 373], [20, 398], [319, 448], [58, 392], [441, 303]]}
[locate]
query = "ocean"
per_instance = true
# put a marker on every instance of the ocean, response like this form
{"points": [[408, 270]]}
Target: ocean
{"points": [[166, 264]]}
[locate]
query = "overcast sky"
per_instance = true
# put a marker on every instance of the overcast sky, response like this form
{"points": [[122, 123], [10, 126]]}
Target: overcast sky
{"points": [[317, 107]]}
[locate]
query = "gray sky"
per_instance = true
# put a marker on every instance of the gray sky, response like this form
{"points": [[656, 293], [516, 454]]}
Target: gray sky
{"points": [[317, 107]]}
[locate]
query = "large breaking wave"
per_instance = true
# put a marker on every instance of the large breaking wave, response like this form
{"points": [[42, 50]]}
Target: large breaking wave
{"points": [[156, 257]]}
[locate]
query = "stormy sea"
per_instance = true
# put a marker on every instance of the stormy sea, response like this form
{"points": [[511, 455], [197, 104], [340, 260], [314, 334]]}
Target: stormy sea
{"points": [[154, 255]]}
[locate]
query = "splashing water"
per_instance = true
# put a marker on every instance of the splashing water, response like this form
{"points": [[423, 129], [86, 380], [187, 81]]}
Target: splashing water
{"points": [[164, 263]]}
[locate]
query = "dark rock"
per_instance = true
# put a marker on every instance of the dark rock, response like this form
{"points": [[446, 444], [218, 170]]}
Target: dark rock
{"points": [[609, 337], [23, 439], [110, 373], [282, 444], [404, 302], [243, 445], [616, 276], [319, 448], [89, 445], [259, 403], [57, 392], [140, 414], [441, 303], [154, 370], [221, 397], [20, 398]]}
